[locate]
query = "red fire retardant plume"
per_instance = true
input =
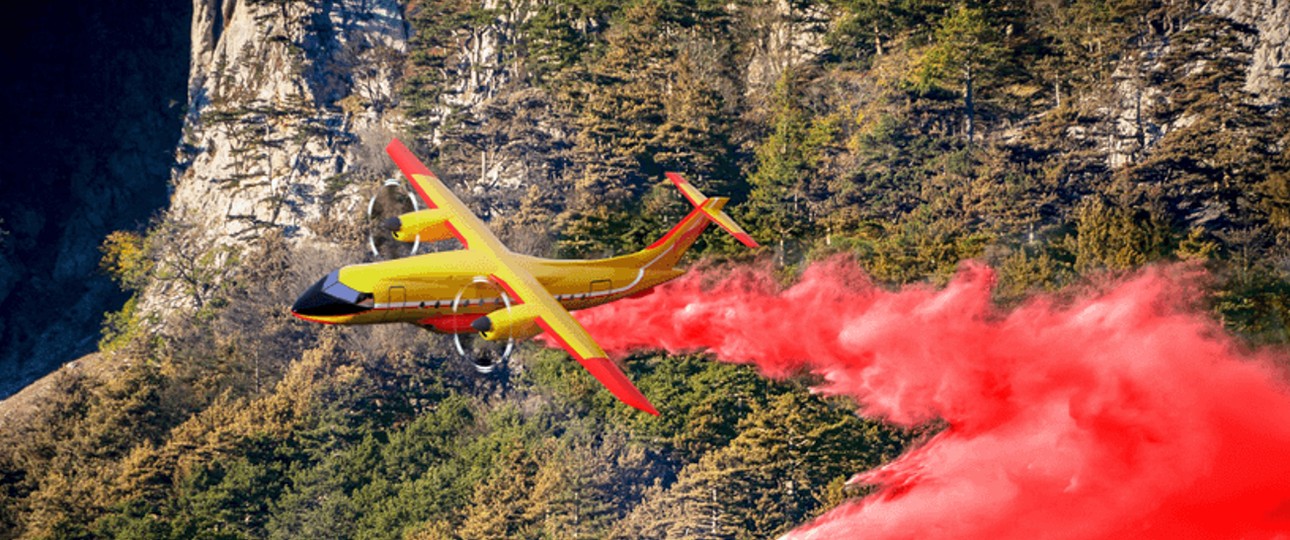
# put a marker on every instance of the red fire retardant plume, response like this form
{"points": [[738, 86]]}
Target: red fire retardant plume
{"points": [[1125, 414]]}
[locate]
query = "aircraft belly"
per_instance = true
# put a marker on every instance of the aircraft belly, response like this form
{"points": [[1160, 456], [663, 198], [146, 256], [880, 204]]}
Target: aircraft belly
{"points": [[450, 323]]}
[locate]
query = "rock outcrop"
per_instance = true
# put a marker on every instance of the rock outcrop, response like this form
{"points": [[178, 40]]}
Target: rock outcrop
{"points": [[1268, 76], [279, 95]]}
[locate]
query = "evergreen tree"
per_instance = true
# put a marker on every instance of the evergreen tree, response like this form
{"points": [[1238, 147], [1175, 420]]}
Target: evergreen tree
{"points": [[774, 475], [966, 48], [782, 201]]}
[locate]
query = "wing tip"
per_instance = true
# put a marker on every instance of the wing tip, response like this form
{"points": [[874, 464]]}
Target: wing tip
{"points": [[688, 190], [614, 380], [747, 240], [406, 160], [396, 146]]}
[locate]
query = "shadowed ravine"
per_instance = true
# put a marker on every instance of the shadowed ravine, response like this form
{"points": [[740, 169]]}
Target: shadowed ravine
{"points": [[93, 102]]}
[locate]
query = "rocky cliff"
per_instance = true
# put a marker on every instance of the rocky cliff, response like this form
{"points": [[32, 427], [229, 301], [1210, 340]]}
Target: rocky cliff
{"points": [[291, 103], [1268, 24], [279, 93]]}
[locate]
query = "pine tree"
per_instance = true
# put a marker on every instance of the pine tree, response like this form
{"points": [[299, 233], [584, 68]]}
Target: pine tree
{"points": [[500, 506], [1118, 238], [782, 203], [774, 475], [966, 49]]}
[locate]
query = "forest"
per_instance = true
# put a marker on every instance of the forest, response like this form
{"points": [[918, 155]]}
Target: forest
{"points": [[1061, 142]]}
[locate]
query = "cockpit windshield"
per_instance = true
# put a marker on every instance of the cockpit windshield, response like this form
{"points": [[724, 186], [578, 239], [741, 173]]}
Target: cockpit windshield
{"points": [[329, 296], [335, 289]]}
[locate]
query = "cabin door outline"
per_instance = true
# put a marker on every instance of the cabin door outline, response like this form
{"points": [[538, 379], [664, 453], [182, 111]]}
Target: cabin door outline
{"points": [[396, 297]]}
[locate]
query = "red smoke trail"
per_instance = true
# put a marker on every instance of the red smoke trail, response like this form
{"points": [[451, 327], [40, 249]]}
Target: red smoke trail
{"points": [[1126, 414]]}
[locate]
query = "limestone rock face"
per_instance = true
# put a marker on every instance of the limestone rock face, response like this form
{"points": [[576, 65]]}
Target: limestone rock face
{"points": [[480, 81], [1268, 77], [790, 36], [1251, 37], [288, 98], [279, 93], [281, 97]]}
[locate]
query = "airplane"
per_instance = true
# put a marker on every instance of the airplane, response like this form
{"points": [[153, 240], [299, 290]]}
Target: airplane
{"points": [[486, 288]]}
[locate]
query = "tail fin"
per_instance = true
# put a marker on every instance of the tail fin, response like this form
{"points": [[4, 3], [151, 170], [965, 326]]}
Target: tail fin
{"points": [[714, 213], [666, 251]]}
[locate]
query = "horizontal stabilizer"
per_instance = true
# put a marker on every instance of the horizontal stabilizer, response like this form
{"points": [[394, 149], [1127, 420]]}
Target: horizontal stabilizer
{"points": [[713, 209]]}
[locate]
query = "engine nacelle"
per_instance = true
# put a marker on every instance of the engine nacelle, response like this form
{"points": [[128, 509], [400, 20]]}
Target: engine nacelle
{"points": [[518, 322], [429, 225]]}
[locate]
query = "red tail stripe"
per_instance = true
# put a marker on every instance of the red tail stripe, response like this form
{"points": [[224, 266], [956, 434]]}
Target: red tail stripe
{"points": [[676, 179], [743, 237], [676, 228]]}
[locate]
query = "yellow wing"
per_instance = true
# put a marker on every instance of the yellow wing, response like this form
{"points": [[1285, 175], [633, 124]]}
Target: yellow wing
{"points": [[566, 330], [520, 284], [472, 232]]}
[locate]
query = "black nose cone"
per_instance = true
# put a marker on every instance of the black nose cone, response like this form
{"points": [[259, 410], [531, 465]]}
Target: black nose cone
{"points": [[393, 224], [482, 324], [331, 297]]}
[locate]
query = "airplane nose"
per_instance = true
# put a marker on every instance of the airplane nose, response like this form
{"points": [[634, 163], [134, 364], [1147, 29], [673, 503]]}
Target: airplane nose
{"points": [[331, 297], [313, 302]]}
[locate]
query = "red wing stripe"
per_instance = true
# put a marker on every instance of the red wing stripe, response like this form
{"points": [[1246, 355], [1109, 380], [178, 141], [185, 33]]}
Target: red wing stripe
{"points": [[455, 233], [507, 287], [604, 370], [558, 339], [410, 165]]}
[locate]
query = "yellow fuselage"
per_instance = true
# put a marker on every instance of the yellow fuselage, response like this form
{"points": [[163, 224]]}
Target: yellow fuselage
{"points": [[446, 291]]}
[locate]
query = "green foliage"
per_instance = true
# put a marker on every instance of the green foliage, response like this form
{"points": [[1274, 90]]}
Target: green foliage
{"points": [[965, 43], [1109, 237], [437, 29], [560, 33], [782, 203], [125, 259], [121, 327], [869, 28], [778, 471], [1256, 305], [1029, 270], [918, 247], [966, 50]]}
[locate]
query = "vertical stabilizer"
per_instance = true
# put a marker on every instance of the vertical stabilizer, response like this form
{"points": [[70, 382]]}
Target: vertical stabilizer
{"points": [[666, 251]]}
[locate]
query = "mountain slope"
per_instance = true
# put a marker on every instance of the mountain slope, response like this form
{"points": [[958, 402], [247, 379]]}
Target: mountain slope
{"points": [[1063, 144]]}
